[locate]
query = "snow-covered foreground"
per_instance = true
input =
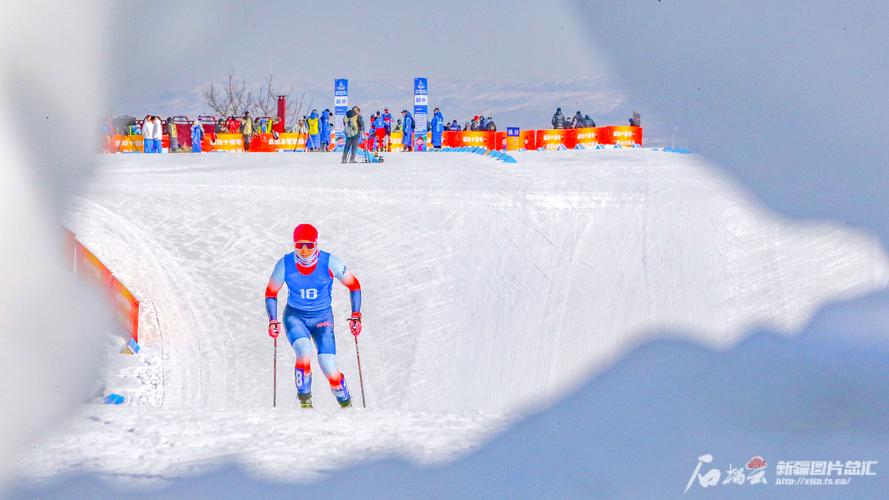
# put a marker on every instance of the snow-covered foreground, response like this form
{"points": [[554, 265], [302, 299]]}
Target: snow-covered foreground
{"points": [[489, 291]]}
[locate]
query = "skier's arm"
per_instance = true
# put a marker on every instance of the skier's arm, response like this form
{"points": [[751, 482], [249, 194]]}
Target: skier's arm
{"points": [[276, 281], [339, 271]]}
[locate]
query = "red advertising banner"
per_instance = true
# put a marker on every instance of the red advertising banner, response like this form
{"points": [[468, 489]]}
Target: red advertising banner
{"points": [[528, 139], [126, 307], [227, 142], [86, 264], [458, 139], [588, 137], [553, 138], [624, 135], [90, 267]]}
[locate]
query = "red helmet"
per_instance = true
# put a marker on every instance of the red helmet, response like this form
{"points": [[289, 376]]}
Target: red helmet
{"points": [[305, 232]]}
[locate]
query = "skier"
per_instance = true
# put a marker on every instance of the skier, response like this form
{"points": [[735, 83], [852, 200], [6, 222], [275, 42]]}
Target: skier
{"points": [[197, 135], [408, 127], [325, 130], [308, 317], [314, 131], [437, 126]]}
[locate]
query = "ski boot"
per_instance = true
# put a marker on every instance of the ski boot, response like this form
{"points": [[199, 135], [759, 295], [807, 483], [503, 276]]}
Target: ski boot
{"points": [[305, 400]]}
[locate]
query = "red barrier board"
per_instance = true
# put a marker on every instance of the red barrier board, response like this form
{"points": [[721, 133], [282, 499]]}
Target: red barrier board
{"points": [[588, 137], [528, 139], [457, 139], [127, 308], [553, 138], [624, 135], [90, 267], [125, 304]]}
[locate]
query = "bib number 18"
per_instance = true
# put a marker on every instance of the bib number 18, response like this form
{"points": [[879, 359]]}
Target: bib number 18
{"points": [[308, 293]]}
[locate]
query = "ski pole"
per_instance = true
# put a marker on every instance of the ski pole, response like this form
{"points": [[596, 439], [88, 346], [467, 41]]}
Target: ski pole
{"points": [[360, 376], [275, 377]]}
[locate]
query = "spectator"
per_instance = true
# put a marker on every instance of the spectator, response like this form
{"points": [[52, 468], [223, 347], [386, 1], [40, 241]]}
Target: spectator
{"points": [[325, 130], [352, 133], [489, 125], [387, 121], [264, 125], [380, 132], [174, 135], [454, 125], [233, 125], [314, 126], [636, 119], [372, 132], [247, 129], [157, 134], [588, 122], [474, 124], [466, 126], [276, 128], [398, 125], [197, 135], [558, 120], [577, 120], [482, 122], [408, 126], [147, 135], [360, 120], [221, 127], [437, 126]]}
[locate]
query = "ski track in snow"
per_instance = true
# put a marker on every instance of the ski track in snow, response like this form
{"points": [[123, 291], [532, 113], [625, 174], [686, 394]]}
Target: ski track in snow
{"points": [[488, 290]]}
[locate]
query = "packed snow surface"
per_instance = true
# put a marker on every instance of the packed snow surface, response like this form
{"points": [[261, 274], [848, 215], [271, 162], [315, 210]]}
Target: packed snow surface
{"points": [[489, 290]]}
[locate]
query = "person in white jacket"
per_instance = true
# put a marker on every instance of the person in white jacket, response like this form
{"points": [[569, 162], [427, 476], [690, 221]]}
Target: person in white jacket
{"points": [[158, 135], [148, 135]]}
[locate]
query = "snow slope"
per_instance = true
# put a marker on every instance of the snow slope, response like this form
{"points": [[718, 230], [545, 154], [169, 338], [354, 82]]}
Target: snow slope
{"points": [[489, 290]]}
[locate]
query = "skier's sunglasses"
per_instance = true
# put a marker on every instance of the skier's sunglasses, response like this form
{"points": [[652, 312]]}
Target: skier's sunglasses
{"points": [[304, 244]]}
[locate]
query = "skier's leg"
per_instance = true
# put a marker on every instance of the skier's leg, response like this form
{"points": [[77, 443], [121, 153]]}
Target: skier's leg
{"points": [[298, 335], [322, 333]]}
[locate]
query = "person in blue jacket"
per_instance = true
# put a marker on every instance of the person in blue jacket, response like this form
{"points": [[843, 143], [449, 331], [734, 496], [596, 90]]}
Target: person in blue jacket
{"points": [[379, 126], [325, 130], [437, 125], [408, 127], [197, 135]]}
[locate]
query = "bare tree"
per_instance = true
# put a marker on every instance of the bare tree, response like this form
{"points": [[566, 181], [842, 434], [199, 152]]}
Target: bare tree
{"points": [[266, 101], [230, 98], [234, 96]]}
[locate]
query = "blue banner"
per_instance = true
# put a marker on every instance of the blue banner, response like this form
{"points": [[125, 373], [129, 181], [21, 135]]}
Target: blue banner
{"points": [[340, 103], [421, 103], [512, 132]]}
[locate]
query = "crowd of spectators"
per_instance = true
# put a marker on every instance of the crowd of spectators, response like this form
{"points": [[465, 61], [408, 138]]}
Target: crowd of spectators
{"points": [[375, 133], [477, 123], [579, 120]]}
